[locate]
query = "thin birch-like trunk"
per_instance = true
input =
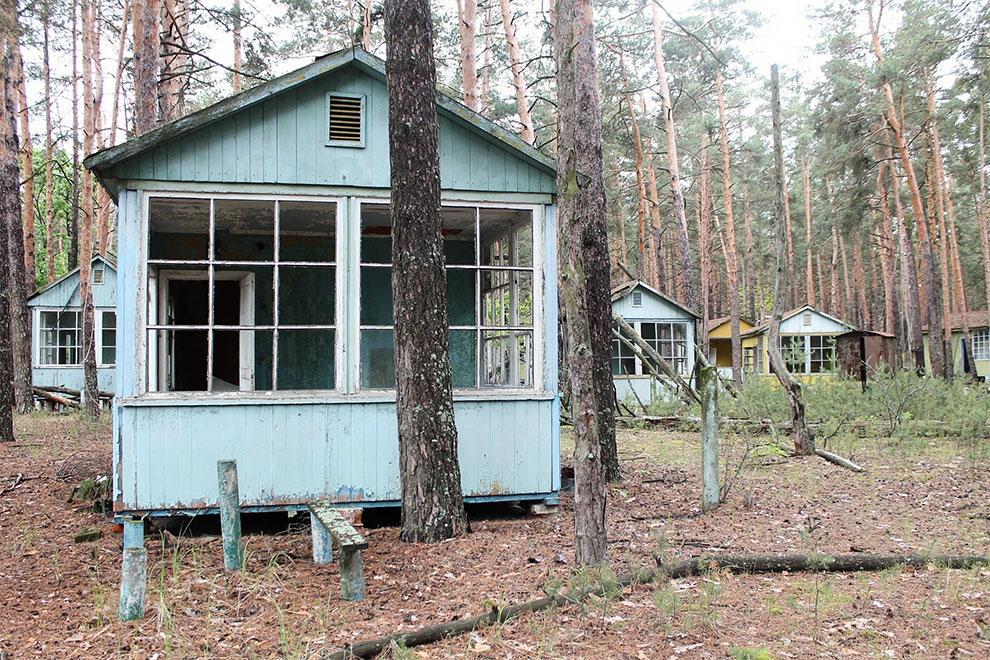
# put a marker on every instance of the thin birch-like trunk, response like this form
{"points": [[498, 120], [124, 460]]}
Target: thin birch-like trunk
{"points": [[238, 47], [751, 273], [646, 270], [804, 444], [687, 280], [809, 276], [911, 290], [704, 230], [518, 79], [51, 241], [27, 161], [90, 390], [791, 265]]}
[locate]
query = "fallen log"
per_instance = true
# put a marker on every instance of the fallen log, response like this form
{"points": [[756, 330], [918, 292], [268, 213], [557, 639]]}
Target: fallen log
{"points": [[698, 565], [55, 398], [838, 460]]}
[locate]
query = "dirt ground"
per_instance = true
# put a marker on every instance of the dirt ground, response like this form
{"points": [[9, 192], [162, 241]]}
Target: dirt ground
{"points": [[59, 598]]}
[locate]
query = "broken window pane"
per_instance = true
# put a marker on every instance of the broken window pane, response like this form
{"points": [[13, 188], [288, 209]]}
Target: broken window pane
{"points": [[461, 308], [244, 230], [507, 358], [61, 338], [179, 228], [377, 359], [307, 231], [507, 298], [306, 295], [181, 360], [243, 295], [376, 234], [506, 237], [183, 298], [306, 359], [458, 235], [241, 360]]}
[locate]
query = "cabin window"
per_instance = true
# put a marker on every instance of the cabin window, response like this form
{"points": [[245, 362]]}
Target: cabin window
{"points": [[98, 275], [345, 120], [60, 338], [108, 338], [822, 359], [792, 349], [490, 297], [981, 344], [242, 294], [637, 299], [623, 359], [749, 359], [669, 340], [806, 318]]}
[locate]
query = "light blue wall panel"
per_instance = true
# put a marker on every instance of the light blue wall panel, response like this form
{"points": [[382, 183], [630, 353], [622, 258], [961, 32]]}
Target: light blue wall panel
{"points": [[70, 377], [344, 451], [283, 140]]}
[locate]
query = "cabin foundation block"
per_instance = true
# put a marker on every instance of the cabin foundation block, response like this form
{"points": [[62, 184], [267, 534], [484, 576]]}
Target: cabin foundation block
{"points": [[134, 571]]}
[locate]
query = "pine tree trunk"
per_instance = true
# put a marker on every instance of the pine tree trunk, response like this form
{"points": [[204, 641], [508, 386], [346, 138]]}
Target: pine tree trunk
{"points": [[102, 215], [704, 233], [911, 291], [467, 15], [646, 266], [238, 48], [687, 279], [581, 213], [173, 61], [145, 65], [50, 237], [847, 307], [809, 277], [90, 394], [934, 303], [10, 214], [27, 164], [804, 444], [732, 259], [518, 80], [859, 287], [887, 253], [791, 301], [486, 65], [74, 212], [18, 319], [983, 212], [432, 501]]}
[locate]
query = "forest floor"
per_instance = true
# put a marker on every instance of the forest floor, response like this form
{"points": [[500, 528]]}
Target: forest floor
{"points": [[59, 598]]}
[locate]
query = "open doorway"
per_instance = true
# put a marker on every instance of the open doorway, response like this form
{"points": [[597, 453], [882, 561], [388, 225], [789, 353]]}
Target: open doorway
{"points": [[185, 353]]}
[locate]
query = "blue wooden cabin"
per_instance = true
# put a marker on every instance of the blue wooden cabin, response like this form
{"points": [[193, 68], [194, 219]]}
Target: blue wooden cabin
{"points": [[56, 322], [666, 325], [255, 300]]}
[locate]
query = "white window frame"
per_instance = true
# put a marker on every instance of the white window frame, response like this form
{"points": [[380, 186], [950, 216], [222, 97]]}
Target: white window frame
{"points": [[537, 269], [98, 324], [148, 288], [980, 344]]}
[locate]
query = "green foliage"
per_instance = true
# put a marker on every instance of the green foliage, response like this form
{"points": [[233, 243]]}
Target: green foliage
{"points": [[750, 653]]}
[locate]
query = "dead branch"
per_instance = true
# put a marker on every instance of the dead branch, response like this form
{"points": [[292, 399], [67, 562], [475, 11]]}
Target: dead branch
{"points": [[838, 460], [698, 565]]}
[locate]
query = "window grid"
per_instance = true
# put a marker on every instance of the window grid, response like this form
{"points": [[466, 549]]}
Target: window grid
{"points": [[61, 339], [210, 265], [108, 338], [822, 357], [981, 344]]}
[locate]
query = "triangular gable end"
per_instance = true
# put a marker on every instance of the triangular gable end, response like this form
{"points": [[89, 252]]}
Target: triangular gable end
{"points": [[622, 292], [276, 133]]}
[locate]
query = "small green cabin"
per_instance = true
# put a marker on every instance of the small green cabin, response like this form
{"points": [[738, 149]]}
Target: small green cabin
{"points": [[254, 300], [56, 322]]}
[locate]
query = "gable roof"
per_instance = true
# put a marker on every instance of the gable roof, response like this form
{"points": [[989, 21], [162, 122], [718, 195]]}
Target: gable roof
{"points": [[765, 323], [102, 161], [716, 322], [979, 318], [110, 262], [620, 291]]}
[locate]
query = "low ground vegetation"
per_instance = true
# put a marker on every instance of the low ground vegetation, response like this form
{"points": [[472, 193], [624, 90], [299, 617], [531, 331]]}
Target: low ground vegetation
{"points": [[925, 491]]}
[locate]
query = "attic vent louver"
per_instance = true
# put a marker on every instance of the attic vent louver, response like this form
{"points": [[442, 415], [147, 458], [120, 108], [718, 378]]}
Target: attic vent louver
{"points": [[637, 298], [345, 114]]}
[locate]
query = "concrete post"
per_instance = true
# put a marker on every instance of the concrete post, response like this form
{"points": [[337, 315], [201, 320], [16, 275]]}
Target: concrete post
{"points": [[710, 496], [230, 515], [352, 574], [134, 571], [322, 542]]}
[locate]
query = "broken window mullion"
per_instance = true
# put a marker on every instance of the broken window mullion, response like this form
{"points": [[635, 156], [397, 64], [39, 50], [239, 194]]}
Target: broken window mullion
{"points": [[275, 309]]}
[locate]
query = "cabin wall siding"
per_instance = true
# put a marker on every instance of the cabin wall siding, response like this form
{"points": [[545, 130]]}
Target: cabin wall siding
{"points": [[65, 293], [820, 325], [283, 140], [344, 451], [653, 308]]}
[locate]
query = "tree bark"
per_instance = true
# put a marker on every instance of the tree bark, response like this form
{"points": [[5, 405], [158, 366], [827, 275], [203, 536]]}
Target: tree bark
{"points": [[983, 212], [174, 60], [644, 260], [809, 276], [518, 79], [804, 444], [145, 64], [750, 272], [10, 214], [704, 236], [909, 279], [934, 302], [27, 161], [432, 501], [859, 286], [74, 212], [238, 48], [688, 281], [732, 260], [51, 242], [467, 21], [90, 393], [581, 213], [887, 253], [18, 337], [791, 262], [102, 214]]}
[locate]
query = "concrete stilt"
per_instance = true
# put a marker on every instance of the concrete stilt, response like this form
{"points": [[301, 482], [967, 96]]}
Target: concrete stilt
{"points": [[322, 542], [134, 571], [230, 515], [352, 574]]}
